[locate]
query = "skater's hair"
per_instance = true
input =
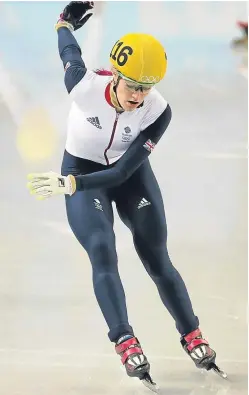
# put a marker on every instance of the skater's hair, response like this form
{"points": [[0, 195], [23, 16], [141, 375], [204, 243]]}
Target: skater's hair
{"points": [[102, 72]]}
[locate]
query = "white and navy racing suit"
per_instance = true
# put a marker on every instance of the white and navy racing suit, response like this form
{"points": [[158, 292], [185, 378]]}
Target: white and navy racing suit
{"points": [[108, 152]]}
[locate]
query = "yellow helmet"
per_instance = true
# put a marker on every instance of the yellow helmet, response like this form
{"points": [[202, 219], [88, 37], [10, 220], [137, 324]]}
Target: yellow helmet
{"points": [[140, 58]]}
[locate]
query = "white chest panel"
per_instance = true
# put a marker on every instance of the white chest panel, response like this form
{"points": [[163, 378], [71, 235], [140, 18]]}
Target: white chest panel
{"points": [[93, 131]]}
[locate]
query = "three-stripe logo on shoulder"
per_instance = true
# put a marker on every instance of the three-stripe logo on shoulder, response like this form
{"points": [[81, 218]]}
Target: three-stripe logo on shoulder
{"points": [[94, 121]]}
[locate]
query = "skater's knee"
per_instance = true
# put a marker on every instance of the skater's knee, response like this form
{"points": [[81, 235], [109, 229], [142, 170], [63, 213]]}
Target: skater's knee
{"points": [[161, 266], [102, 252], [155, 258]]}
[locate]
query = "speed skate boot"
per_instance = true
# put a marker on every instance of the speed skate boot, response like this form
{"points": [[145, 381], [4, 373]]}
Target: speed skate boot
{"points": [[200, 352], [134, 360]]}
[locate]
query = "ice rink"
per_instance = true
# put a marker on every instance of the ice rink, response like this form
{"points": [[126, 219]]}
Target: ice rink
{"points": [[53, 339]]}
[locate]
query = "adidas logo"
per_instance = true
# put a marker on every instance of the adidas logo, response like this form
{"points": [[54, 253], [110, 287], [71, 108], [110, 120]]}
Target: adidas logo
{"points": [[97, 204], [94, 121], [143, 203]]}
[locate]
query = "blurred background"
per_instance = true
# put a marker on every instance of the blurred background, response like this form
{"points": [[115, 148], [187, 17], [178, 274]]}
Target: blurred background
{"points": [[46, 300]]}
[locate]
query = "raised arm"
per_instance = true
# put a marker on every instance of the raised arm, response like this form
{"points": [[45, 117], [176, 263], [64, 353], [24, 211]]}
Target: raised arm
{"points": [[72, 18]]}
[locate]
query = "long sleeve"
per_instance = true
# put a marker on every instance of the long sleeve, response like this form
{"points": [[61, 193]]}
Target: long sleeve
{"points": [[70, 54]]}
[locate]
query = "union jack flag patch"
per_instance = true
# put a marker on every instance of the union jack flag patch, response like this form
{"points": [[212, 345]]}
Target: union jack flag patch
{"points": [[149, 145], [68, 64]]}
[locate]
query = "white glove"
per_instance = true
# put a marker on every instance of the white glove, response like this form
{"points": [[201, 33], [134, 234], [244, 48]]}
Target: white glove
{"points": [[45, 185]]}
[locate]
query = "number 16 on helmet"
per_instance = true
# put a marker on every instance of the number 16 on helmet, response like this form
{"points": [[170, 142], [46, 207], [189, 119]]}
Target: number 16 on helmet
{"points": [[140, 58]]}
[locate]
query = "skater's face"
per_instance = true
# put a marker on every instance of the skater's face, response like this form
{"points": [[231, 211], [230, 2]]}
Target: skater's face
{"points": [[129, 95]]}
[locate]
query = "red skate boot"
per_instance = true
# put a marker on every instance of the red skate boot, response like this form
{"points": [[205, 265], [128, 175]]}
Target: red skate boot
{"points": [[200, 352], [134, 360]]}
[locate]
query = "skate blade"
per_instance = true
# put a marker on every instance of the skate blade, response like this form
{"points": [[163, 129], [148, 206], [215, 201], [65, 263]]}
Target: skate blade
{"points": [[149, 383], [218, 371]]}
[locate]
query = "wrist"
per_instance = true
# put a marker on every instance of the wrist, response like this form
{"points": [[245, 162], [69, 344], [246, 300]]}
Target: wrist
{"points": [[71, 184], [62, 23]]}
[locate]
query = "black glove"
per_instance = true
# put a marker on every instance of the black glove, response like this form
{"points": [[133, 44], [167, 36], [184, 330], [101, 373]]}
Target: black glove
{"points": [[73, 13]]}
